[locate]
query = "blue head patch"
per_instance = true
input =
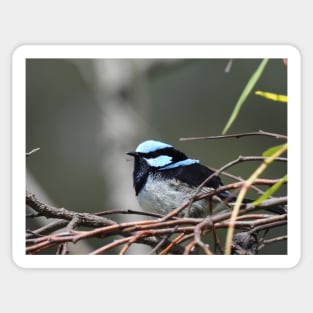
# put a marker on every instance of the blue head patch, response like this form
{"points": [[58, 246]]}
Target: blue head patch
{"points": [[153, 154], [151, 146]]}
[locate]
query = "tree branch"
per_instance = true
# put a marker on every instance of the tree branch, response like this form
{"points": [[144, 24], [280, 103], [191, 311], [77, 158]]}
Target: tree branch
{"points": [[86, 219], [258, 133]]}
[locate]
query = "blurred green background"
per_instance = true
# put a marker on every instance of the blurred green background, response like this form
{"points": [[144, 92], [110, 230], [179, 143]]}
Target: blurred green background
{"points": [[84, 114]]}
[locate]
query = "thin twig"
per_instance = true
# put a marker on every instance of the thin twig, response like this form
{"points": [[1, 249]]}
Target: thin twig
{"points": [[126, 211], [238, 178], [229, 66], [272, 240], [159, 245], [31, 152], [47, 229], [172, 244], [258, 133]]}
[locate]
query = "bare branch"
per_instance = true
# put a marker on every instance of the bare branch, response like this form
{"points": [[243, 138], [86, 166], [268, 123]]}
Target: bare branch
{"points": [[47, 229], [259, 133], [31, 152], [86, 219]]}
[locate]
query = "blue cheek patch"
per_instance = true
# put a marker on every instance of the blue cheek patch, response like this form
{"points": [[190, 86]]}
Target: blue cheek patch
{"points": [[180, 163], [160, 161]]}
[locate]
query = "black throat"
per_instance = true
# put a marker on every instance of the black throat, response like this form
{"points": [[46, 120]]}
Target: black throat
{"points": [[140, 174], [142, 168]]}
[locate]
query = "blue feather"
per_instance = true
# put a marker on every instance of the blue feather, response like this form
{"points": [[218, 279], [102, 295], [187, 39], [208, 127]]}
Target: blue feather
{"points": [[160, 161], [180, 163], [151, 146]]}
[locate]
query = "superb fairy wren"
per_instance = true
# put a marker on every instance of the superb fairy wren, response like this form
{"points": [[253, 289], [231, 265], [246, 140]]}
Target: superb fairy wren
{"points": [[165, 178]]}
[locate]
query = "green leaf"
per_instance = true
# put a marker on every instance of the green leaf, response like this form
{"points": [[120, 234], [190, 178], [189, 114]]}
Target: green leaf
{"points": [[269, 152], [270, 191], [245, 93]]}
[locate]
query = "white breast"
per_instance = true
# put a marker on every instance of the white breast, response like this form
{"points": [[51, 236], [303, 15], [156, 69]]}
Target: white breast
{"points": [[162, 196]]}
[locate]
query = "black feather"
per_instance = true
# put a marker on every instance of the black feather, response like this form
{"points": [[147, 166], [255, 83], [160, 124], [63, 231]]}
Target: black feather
{"points": [[193, 175]]}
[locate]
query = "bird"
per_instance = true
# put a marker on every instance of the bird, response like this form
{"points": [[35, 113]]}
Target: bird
{"points": [[164, 178]]}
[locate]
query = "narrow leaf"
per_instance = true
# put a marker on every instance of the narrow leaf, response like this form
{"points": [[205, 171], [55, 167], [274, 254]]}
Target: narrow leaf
{"points": [[272, 96], [270, 191], [269, 152], [245, 93]]}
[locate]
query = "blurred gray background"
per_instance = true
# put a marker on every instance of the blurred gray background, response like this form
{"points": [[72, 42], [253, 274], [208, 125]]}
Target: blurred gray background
{"points": [[85, 114]]}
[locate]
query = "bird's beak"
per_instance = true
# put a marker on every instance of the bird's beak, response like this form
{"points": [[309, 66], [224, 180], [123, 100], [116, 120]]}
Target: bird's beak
{"points": [[132, 153]]}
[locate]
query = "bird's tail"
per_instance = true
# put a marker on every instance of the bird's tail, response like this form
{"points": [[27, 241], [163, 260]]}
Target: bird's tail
{"points": [[231, 198]]}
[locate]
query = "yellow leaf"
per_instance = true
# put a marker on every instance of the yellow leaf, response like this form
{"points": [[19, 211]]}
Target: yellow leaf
{"points": [[272, 96]]}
